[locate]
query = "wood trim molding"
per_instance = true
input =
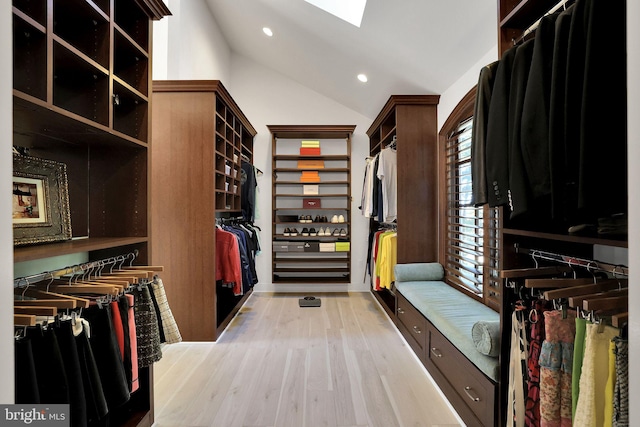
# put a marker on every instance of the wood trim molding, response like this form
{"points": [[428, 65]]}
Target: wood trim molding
{"points": [[311, 131], [205, 86], [155, 9], [395, 100]]}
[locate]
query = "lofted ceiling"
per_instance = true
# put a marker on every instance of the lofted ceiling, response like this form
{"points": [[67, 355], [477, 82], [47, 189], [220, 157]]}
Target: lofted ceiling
{"points": [[403, 46]]}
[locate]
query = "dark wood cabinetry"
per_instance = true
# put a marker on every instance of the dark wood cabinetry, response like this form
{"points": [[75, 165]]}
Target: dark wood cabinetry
{"points": [[412, 120], [311, 258], [77, 101], [200, 137], [516, 19]]}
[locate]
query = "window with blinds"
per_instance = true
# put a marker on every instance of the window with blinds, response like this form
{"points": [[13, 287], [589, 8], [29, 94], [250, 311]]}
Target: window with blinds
{"points": [[472, 233]]}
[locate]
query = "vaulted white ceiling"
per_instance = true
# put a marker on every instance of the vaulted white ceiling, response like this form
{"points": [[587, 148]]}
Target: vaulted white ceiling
{"points": [[403, 46]]}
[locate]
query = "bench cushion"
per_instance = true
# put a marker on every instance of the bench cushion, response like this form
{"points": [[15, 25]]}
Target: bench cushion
{"points": [[453, 314]]}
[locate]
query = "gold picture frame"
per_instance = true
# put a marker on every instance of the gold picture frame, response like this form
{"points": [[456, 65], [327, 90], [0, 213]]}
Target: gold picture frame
{"points": [[40, 202]]}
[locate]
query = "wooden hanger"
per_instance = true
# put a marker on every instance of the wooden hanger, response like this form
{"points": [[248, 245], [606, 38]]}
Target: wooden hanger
{"points": [[602, 286], [24, 319], [145, 267], [33, 292], [556, 283], [577, 301], [607, 303], [534, 271], [35, 311], [85, 289], [620, 319], [60, 304]]}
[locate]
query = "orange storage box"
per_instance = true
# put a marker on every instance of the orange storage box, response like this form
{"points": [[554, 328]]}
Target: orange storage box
{"points": [[310, 164]]}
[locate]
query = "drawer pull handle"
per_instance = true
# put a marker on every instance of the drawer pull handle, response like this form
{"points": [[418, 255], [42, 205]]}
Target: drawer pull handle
{"points": [[471, 396], [417, 330], [436, 352], [400, 310]]}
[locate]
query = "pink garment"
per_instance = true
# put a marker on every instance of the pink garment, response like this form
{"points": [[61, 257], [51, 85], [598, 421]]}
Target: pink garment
{"points": [[133, 342]]}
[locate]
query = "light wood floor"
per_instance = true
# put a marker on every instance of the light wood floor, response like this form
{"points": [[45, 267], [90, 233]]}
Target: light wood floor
{"points": [[277, 364]]}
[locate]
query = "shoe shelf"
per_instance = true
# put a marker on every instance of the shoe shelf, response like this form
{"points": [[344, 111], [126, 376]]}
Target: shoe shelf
{"points": [[307, 257]]}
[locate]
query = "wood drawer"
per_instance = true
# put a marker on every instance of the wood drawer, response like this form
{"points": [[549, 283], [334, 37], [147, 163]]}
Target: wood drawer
{"points": [[412, 325], [475, 390]]}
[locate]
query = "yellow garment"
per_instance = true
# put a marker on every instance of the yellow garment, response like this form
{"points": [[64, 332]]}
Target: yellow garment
{"points": [[595, 373], [388, 260], [611, 383], [379, 252]]}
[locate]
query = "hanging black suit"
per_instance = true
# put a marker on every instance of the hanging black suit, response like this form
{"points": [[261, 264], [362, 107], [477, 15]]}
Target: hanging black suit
{"points": [[534, 132], [479, 138], [556, 114], [520, 193], [497, 145], [602, 179]]}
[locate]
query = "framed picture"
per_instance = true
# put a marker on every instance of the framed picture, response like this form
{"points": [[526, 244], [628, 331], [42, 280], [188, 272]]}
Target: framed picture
{"points": [[40, 201]]}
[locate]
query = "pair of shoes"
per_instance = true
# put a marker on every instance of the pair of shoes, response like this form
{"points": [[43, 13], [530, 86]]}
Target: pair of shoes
{"points": [[337, 219], [305, 218], [286, 232], [293, 232], [317, 218], [324, 219], [312, 232], [305, 231], [324, 232]]}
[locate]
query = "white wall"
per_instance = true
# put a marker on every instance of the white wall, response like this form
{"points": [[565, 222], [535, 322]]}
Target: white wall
{"points": [[452, 96], [6, 231], [188, 45]]}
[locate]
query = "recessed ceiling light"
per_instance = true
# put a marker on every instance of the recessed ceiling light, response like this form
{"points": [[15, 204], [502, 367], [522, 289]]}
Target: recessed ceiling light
{"points": [[363, 78], [267, 31]]}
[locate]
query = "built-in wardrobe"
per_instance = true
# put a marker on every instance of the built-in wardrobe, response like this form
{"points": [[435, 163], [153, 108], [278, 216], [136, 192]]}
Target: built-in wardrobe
{"points": [[201, 162], [81, 123], [409, 123], [565, 205]]}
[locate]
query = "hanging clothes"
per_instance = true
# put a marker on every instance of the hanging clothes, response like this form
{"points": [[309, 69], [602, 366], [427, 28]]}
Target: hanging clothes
{"points": [[479, 138], [388, 174], [590, 407], [228, 266], [621, 389], [556, 365], [544, 132], [517, 368], [532, 400], [578, 357], [248, 188]]}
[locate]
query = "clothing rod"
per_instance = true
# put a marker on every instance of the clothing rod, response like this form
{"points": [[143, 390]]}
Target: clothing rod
{"points": [[535, 25], [590, 265], [34, 278]]}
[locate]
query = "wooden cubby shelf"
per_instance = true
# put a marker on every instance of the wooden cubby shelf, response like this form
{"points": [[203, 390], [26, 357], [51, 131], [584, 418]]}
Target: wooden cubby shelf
{"points": [[69, 59]]}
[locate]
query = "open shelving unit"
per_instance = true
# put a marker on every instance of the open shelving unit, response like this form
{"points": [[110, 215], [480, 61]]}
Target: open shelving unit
{"points": [[82, 77], [298, 259], [200, 139]]}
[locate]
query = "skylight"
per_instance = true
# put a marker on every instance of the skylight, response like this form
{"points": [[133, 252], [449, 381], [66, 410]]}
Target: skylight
{"points": [[347, 10]]}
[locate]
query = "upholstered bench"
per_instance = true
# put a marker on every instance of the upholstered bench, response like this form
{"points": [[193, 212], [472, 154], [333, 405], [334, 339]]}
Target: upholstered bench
{"points": [[437, 320]]}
